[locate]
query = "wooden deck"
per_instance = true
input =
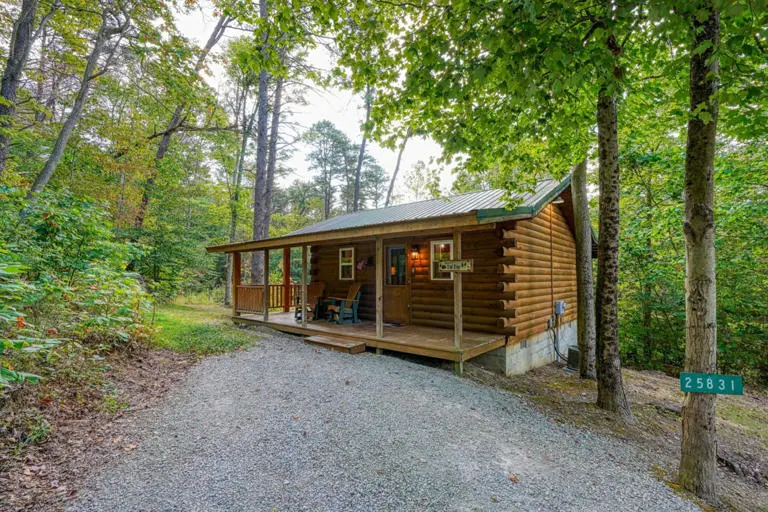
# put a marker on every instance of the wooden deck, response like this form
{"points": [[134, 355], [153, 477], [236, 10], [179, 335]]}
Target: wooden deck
{"points": [[409, 339]]}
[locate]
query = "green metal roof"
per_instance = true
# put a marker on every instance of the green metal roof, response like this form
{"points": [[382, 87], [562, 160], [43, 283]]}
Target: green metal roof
{"points": [[489, 206]]}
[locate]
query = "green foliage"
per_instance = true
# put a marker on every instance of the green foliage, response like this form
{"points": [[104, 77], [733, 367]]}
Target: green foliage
{"points": [[62, 277], [199, 330], [333, 159], [652, 306]]}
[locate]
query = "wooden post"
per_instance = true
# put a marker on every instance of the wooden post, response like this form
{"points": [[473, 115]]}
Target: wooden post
{"points": [[303, 285], [286, 279], [236, 277], [458, 321], [266, 285], [379, 287]]}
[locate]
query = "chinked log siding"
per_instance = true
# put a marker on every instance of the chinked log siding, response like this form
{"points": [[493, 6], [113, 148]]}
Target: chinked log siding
{"points": [[520, 269], [544, 270]]}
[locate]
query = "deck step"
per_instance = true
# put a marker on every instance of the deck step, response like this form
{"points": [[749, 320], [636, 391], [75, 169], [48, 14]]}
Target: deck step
{"points": [[346, 346]]}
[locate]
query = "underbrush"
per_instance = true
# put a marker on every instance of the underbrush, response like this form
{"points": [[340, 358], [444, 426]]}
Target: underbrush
{"points": [[209, 297], [199, 330], [66, 303]]}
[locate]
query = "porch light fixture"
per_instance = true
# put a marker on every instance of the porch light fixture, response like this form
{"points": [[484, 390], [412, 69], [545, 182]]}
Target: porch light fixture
{"points": [[415, 252]]}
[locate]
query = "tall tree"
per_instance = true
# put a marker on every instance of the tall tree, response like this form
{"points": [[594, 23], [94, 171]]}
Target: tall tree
{"points": [[326, 158], [361, 156], [262, 148], [244, 113], [115, 22], [177, 119], [610, 389], [372, 184], [397, 167], [274, 136], [586, 298], [22, 37], [699, 447]]}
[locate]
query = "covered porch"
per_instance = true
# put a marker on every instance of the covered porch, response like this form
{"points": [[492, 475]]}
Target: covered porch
{"points": [[273, 305]]}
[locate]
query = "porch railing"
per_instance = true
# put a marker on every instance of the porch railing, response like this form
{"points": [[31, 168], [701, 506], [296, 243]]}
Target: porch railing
{"points": [[250, 297]]}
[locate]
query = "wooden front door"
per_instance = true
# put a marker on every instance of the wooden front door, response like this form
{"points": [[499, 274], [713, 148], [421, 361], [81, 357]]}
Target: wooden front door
{"points": [[397, 290]]}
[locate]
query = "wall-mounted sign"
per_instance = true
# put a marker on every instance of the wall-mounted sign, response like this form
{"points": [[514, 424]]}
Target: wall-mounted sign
{"points": [[712, 383], [455, 265]]}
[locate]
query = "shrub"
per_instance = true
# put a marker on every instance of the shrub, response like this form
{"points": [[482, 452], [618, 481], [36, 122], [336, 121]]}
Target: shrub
{"points": [[63, 283]]}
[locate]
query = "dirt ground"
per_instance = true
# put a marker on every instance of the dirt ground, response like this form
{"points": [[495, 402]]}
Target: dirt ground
{"points": [[87, 428], [742, 424]]}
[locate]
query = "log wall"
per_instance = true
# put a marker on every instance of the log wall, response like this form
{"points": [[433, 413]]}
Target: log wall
{"points": [[432, 301], [543, 270], [520, 270], [324, 266]]}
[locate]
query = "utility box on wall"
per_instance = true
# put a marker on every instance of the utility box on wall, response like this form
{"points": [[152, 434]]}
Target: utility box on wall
{"points": [[559, 307]]}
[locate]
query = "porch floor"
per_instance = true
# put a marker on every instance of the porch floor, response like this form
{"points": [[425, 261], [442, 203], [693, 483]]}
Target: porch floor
{"points": [[409, 339]]}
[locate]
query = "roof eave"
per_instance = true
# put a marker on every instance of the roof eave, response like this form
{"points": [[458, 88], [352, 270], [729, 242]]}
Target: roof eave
{"points": [[398, 228], [522, 212]]}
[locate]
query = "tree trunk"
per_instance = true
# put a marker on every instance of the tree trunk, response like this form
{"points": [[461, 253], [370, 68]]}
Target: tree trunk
{"points": [[18, 51], [175, 123], [272, 156], [397, 167], [586, 307], [327, 201], [102, 36], [262, 148], [610, 388], [361, 155], [237, 178], [699, 443]]}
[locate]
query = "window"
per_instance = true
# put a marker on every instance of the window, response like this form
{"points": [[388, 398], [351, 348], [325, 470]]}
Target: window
{"points": [[440, 250], [396, 265], [347, 264]]}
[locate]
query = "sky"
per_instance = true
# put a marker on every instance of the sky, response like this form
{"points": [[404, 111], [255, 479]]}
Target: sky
{"points": [[341, 107]]}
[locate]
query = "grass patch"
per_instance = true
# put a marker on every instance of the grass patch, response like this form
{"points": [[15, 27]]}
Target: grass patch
{"points": [[754, 421], [198, 330]]}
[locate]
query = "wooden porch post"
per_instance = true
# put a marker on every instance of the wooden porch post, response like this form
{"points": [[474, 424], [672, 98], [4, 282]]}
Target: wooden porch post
{"points": [[266, 285], [379, 287], [304, 286], [236, 277], [286, 279], [458, 321]]}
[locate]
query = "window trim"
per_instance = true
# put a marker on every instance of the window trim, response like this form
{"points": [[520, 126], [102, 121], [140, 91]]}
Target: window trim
{"points": [[342, 265], [432, 245]]}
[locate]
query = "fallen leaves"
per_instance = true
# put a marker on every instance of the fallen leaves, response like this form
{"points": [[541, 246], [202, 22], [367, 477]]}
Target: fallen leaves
{"points": [[513, 478], [43, 477]]}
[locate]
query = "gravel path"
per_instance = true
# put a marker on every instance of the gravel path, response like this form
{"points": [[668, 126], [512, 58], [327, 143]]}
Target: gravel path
{"points": [[287, 426]]}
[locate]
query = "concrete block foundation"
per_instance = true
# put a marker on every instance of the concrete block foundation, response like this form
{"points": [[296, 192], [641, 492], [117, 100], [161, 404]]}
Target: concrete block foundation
{"points": [[532, 352]]}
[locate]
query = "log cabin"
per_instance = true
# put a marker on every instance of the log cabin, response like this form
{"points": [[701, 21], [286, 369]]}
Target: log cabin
{"points": [[451, 278]]}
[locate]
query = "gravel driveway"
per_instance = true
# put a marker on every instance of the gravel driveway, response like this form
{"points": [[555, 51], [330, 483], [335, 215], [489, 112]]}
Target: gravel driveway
{"points": [[287, 426]]}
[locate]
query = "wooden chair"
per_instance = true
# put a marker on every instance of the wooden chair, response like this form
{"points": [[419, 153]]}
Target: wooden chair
{"points": [[344, 310], [315, 291]]}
